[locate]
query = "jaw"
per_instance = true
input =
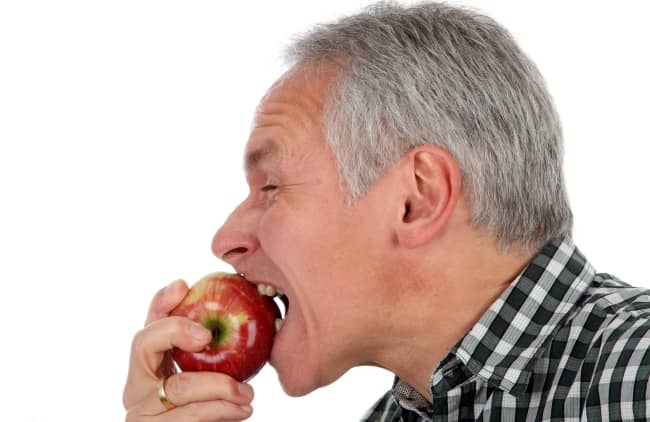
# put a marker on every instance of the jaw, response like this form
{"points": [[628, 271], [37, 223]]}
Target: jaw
{"points": [[291, 355], [306, 356], [319, 339], [297, 355]]}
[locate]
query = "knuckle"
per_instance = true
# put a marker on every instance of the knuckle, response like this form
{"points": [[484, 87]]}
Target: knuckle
{"points": [[176, 323], [182, 323], [179, 328], [179, 385], [139, 340], [158, 296], [228, 387], [154, 306]]}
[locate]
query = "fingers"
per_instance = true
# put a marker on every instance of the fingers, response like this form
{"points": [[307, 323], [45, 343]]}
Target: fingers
{"points": [[165, 300], [150, 343], [198, 412], [148, 350], [208, 411], [199, 396], [186, 388]]}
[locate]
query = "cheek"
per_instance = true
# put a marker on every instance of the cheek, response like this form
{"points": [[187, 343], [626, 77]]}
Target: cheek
{"points": [[285, 230], [272, 229], [299, 246], [281, 236]]}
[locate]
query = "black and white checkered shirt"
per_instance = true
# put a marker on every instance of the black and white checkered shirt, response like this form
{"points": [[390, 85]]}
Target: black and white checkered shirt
{"points": [[561, 344]]}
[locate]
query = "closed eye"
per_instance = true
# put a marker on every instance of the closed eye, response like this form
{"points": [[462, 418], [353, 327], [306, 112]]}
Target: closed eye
{"points": [[268, 188]]}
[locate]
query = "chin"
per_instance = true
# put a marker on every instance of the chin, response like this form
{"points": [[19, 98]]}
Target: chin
{"points": [[291, 391], [298, 382]]}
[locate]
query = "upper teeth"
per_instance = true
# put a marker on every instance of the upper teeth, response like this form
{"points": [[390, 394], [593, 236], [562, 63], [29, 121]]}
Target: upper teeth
{"points": [[266, 290]]}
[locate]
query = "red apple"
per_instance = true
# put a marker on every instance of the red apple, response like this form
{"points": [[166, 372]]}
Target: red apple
{"points": [[242, 322]]}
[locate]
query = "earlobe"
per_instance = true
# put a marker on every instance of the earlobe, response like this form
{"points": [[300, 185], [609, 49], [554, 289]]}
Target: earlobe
{"points": [[432, 183]]}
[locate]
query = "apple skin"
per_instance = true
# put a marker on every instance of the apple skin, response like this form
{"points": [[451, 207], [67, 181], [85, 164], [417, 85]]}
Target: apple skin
{"points": [[242, 322]]}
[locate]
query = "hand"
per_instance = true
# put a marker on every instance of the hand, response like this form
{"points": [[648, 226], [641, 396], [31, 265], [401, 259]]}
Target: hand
{"points": [[199, 396]]}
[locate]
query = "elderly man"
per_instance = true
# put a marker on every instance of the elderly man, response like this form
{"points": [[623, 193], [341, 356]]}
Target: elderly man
{"points": [[406, 193]]}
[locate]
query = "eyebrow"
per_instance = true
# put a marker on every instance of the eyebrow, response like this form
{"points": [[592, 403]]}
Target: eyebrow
{"points": [[255, 157]]}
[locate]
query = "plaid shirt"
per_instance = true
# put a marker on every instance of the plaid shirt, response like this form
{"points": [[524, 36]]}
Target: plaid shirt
{"points": [[562, 343]]}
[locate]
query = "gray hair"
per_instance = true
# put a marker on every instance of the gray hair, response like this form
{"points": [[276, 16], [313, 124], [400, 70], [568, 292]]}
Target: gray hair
{"points": [[434, 74]]}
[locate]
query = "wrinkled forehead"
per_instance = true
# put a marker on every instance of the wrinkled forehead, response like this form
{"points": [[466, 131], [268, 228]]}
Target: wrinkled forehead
{"points": [[307, 81], [290, 110], [317, 75]]}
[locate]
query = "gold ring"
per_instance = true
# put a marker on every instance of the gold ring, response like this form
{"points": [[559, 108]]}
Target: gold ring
{"points": [[162, 394]]}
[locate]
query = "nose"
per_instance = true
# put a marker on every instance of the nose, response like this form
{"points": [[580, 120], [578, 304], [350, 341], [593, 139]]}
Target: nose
{"points": [[236, 239]]}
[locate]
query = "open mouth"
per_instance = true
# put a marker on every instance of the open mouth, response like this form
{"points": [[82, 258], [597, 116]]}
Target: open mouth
{"points": [[280, 299]]}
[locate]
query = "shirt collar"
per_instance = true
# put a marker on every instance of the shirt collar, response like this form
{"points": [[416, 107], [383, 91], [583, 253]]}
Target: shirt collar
{"points": [[502, 346]]}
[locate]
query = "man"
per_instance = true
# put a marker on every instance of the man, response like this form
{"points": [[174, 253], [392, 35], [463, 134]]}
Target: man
{"points": [[406, 194]]}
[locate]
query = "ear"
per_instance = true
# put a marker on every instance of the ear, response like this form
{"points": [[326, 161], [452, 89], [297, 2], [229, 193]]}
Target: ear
{"points": [[432, 183]]}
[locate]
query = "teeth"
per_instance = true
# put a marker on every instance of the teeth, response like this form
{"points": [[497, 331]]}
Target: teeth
{"points": [[266, 290], [278, 324]]}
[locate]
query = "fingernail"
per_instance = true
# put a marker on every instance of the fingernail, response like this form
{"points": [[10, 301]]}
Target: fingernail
{"points": [[246, 408], [246, 391], [199, 332]]}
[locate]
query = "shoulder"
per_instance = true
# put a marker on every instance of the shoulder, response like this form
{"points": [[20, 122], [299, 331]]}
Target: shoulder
{"points": [[617, 297], [611, 307], [619, 316]]}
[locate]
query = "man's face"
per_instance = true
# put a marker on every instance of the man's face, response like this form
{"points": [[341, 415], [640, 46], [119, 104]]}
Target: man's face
{"points": [[295, 232]]}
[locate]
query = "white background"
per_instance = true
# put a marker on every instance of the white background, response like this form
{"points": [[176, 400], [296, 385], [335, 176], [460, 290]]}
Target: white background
{"points": [[122, 126]]}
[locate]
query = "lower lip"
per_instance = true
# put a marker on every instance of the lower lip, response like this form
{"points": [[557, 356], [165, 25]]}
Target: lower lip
{"points": [[278, 339]]}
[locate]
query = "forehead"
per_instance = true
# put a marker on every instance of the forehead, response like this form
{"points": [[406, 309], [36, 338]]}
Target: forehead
{"points": [[288, 120]]}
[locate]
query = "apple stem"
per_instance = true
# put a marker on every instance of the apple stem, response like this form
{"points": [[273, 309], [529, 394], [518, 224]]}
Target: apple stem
{"points": [[217, 329]]}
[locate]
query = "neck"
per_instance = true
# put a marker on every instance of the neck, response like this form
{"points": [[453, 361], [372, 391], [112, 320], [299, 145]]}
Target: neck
{"points": [[441, 302]]}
